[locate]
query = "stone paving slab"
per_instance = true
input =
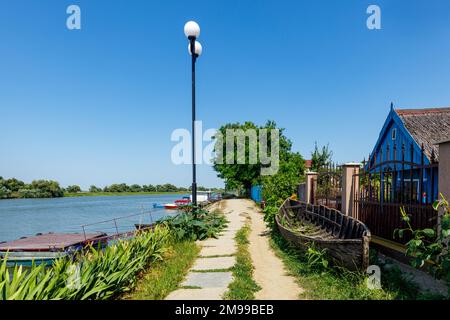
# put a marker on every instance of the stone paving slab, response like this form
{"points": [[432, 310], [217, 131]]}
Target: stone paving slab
{"points": [[228, 234], [208, 279], [218, 251], [212, 285], [197, 294], [214, 263], [222, 242]]}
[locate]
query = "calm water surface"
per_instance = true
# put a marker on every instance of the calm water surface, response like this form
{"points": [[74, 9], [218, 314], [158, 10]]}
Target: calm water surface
{"points": [[26, 217]]}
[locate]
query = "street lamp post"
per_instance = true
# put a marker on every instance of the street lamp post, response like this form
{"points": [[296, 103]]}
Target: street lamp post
{"points": [[192, 32]]}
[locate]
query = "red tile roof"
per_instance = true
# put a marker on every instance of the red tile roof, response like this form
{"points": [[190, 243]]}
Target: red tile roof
{"points": [[308, 164]]}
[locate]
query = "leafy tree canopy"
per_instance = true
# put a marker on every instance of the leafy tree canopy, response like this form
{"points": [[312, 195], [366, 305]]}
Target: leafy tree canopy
{"points": [[238, 176], [73, 189]]}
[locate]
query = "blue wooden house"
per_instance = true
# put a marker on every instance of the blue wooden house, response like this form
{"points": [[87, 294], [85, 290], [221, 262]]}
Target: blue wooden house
{"points": [[406, 156]]}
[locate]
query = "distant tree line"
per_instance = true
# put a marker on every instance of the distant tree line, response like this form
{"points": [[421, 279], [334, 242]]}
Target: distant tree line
{"points": [[123, 187], [13, 188], [16, 189]]}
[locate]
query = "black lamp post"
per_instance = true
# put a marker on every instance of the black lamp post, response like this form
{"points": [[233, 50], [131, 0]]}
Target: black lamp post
{"points": [[192, 32]]}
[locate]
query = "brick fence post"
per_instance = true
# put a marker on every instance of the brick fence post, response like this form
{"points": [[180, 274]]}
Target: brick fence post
{"points": [[444, 175], [311, 186], [444, 168], [348, 187]]}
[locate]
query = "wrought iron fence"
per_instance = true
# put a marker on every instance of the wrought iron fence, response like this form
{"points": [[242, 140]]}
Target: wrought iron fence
{"points": [[390, 180], [329, 187]]}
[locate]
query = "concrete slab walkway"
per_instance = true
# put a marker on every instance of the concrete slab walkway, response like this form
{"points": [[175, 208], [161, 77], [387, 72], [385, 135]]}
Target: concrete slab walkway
{"points": [[207, 279]]}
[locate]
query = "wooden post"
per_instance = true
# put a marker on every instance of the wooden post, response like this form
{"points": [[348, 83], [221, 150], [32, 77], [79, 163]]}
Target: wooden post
{"points": [[311, 186], [350, 187]]}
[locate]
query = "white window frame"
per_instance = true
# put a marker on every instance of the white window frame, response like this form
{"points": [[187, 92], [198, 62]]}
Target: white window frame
{"points": [[394, 134]]}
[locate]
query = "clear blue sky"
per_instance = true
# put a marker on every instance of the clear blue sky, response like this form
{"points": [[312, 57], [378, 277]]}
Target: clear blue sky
{"points": [[97, 106]]}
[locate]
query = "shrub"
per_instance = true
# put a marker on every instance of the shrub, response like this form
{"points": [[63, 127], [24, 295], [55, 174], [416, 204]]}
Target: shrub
{"points": [[430, 244], [198, 225]]}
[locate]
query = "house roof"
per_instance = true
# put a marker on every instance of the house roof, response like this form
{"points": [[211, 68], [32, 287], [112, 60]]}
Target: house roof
{"points": [[427, 127]]}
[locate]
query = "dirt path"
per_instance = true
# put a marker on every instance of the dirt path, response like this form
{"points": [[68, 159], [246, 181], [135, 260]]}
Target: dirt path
{"points": [[269, 271], [204, 282]]}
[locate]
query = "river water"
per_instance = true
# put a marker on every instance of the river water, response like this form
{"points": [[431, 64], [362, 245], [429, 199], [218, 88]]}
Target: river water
{"points": [[27, 217]]}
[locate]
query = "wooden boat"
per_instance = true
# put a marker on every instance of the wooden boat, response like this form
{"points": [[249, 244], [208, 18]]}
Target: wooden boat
{"points": [[26, 259], [345, 239], [45, 248]]}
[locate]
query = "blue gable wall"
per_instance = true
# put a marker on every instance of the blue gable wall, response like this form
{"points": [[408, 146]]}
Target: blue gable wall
{"points": [[403, 137]]}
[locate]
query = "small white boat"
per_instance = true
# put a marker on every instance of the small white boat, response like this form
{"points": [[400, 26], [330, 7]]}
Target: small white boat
{"points": [[170, 206]]}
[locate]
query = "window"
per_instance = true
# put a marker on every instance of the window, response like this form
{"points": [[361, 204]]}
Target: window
{"points": [[394, 134]]}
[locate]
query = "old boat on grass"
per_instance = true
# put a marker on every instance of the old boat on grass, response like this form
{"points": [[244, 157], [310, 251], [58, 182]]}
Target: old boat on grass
{"points": [[345, 239]]}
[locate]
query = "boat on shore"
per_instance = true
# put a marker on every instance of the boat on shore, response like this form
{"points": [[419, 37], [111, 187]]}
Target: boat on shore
{"points": [[345, 239]]}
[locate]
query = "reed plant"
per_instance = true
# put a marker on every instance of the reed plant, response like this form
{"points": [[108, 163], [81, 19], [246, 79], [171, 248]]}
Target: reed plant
{"points": [[95, 274]]}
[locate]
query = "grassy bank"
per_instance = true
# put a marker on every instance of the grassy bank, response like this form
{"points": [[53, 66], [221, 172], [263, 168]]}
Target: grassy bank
{"points": [[243, 286], [103, 194], [164, 276], [327, 283]]}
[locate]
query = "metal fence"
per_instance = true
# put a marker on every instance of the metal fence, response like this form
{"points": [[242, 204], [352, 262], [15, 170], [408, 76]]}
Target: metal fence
{"points": [[391, 180], [329, 187]]}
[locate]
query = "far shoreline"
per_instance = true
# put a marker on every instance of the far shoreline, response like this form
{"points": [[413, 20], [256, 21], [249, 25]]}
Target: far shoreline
{"points": [[102, 194]]}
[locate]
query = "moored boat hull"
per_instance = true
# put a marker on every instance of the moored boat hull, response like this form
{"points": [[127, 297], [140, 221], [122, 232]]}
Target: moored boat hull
{"points": [[27, 259]]}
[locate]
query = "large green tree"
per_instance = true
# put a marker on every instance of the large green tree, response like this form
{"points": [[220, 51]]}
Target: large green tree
{"points": [[242, 173], [94, 189]]}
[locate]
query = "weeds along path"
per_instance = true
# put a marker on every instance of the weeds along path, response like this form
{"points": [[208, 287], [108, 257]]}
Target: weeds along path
{"points": [[211, 274], [269, 272]]}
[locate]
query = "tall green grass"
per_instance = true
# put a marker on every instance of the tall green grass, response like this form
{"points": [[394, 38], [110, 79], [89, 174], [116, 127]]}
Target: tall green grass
{"points": [[96, 274]]}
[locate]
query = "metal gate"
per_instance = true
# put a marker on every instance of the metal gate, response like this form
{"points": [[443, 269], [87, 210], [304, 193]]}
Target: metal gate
{"points": [[329, 187]]}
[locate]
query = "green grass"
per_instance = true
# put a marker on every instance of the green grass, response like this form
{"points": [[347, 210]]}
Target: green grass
{"points": [[243, 286], [337, 283], [102, 194], [164, 276]]}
